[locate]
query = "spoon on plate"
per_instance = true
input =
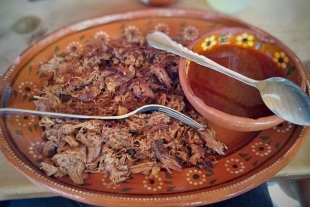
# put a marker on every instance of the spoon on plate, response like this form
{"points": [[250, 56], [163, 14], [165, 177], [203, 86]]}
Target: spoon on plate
{"points": [[283, 97]]}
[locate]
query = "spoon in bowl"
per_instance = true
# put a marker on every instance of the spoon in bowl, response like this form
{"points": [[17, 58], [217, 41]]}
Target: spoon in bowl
{"points": [[283, 97]]}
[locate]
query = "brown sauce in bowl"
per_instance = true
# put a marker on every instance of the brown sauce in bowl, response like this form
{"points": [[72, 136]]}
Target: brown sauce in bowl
{"points": [[227, 94]]}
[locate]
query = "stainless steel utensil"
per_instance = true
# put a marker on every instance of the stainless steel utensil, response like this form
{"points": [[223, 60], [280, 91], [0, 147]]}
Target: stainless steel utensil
{"points": [[151, 107]]}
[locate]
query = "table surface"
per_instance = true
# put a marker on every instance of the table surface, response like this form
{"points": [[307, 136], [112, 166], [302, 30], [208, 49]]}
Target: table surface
{"points": [[287, 20]]}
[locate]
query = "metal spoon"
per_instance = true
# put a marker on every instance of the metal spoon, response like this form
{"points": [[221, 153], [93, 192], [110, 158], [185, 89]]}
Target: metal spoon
{"points": [[283, 97]]}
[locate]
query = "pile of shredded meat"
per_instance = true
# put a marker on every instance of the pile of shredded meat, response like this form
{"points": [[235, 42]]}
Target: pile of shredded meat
{"points": [[114, 78]]}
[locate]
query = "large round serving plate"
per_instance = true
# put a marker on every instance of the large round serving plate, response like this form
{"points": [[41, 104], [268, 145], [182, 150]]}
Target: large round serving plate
{"points": [[252, 157]]}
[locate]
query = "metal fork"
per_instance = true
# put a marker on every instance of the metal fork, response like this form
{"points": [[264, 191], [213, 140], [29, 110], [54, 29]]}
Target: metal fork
{"points": [[151, 107]]}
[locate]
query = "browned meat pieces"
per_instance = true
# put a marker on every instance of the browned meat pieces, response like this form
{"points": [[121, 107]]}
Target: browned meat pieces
{"points": [[115, 78], [144, 167], [88, 83], [92, 141], [211, 143], [49, 168], [162, 154], [49, 149], [142, 90], [143, 143], [116, 166], [162, 75], [74, 162], [197, 152]]}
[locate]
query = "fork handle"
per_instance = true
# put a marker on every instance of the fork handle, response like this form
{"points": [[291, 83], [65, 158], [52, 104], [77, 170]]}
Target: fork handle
{"points": [[4, 111], [142, 109]]}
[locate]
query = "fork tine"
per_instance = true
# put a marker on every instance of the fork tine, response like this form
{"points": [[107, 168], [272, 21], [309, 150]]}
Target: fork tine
{"points": [[171, 112], [182, 117], [186, 121], [189, 122]]}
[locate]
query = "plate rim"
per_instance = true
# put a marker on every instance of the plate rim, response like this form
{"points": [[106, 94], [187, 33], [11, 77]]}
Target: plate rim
{"points": [[197, 197]]}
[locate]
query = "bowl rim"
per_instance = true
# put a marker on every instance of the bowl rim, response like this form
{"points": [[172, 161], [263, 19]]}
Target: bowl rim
{"points": [[224, 119]]}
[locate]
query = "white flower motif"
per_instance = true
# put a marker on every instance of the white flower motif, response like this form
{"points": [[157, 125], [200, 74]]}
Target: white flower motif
{"points": [[162, 27], [132, 31], [261, 149], [190, 33], [195, 177], [103, 36], [153, 184], [74, 47], [24, 121], [234, 166], [133, 34], [281, 127], [27, 88], [35, 149]]}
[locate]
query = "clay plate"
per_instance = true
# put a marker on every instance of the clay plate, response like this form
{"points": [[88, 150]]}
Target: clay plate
{"points": [[252, 158]]}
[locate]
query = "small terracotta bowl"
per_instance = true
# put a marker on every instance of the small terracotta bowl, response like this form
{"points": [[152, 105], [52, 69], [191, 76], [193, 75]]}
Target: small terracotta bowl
{"points": [[225, 101]]}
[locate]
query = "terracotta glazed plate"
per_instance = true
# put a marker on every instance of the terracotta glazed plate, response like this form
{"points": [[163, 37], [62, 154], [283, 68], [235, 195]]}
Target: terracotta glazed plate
{"points": [[252, 158]]}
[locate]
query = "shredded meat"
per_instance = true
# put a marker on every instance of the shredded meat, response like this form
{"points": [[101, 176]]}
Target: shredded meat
{"points": [[49, 168], [216, 146], [113, 79], [73, 161], [49, 149], [162, 154]]}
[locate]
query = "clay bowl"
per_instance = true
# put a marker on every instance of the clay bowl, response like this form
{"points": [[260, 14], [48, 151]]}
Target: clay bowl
{"points": [[227, 102]]}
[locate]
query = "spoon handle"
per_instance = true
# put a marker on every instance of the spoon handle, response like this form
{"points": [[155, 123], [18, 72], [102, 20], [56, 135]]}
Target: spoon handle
{"points": [[161, 41]]}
